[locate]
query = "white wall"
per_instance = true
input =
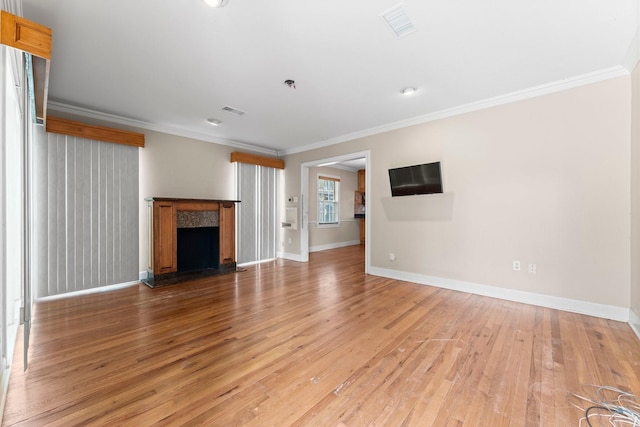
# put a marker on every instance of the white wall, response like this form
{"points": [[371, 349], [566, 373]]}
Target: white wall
{"points": [[348, 231], [635, 201], [544, 180]]}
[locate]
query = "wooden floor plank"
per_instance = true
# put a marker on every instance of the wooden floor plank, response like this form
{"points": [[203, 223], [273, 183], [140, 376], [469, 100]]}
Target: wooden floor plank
{"points": [[308, 344]]}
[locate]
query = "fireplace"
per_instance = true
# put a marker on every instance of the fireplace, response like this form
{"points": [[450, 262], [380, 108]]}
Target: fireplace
{"points": [[188, 235]]}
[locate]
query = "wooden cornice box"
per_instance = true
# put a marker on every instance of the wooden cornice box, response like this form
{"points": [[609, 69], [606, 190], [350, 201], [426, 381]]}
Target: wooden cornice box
{"points": [[164, 216]]}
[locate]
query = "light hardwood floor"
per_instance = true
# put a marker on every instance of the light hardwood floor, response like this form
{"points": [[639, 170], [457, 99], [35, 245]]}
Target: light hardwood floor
{"points": [[317, 344]]}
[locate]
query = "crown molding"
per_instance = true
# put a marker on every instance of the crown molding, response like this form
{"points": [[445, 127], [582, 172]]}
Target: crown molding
{"points": [[633, 53], [544, 89], [139, 124]]}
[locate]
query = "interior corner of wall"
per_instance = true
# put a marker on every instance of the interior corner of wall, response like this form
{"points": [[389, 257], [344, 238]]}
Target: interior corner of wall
{"points": [[634, 322]]}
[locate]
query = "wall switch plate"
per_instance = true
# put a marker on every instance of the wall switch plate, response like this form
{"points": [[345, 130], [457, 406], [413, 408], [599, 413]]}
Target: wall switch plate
{"points": [[516, 265]]}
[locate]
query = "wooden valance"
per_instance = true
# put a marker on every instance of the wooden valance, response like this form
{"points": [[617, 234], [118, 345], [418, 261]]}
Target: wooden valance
{"points": [[34, 39], [254, 159], [98, 133], [329, 178]]}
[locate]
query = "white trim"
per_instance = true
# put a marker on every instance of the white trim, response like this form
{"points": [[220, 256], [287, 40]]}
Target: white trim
{"points": [[327, 224], [634, 322], [262, 261], [5, 365], [336, 201], [171, 130], [304, 190], [291, 257], [342, 220], [544, 89], [89, 291], [142, 275], [575, 306], [5, 375], [584, 79], [633, 53], [333, 246]]}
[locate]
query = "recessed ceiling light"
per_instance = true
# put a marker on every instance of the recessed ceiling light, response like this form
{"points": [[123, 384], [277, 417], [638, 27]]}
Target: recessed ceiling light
{"points": [[216, 3], [214, 122], [408, 91]]}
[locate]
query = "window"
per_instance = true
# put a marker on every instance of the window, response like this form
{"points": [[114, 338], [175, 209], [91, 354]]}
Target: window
{"points": [[328, 200]]}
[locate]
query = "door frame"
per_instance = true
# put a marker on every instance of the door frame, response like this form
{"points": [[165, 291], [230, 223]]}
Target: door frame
{"points": [[304, 209]]}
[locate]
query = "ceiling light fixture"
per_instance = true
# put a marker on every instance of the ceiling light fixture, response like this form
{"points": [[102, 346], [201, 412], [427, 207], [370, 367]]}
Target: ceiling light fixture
{"points": [[214, 122], [216, 3], [408, 91]]}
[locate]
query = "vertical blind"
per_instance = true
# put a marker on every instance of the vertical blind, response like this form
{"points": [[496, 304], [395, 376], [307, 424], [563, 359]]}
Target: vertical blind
{"points": [[257, 222], [86, 214]]}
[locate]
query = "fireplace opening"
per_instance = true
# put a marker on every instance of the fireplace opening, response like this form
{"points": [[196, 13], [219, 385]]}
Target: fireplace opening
{"points": [[198, 240], [198, 248]]}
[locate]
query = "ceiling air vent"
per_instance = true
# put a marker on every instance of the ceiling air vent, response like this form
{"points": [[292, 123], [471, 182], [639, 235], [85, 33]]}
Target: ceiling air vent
{"points": [[233, 110], [398, 21]]}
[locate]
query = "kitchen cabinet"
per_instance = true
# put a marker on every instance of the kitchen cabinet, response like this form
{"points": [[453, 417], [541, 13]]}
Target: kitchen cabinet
{"points": [[361, 181]]}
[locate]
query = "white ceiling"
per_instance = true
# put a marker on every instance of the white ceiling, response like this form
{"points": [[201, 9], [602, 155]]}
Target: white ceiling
{"points": [[170, 65]]}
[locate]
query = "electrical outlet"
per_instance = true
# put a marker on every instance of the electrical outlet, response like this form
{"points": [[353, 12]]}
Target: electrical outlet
{"points": [[392, 256], [516, 265], [289, 240], [532, 268]]}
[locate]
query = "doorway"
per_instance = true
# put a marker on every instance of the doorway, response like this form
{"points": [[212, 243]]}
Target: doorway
{"points": [[346, 159]]}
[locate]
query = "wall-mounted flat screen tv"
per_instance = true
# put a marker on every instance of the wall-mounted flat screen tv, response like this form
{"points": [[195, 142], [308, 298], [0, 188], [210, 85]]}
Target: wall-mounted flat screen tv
{"points": [[418, 179]]}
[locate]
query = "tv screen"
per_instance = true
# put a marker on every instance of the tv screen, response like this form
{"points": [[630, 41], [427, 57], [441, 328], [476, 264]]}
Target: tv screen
{"points": [[418, 179]]}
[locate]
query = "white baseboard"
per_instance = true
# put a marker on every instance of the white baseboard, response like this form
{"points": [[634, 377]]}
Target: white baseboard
{"points": [[333, 246], [290, 256], [143, 275], [247, 264], [89, 291], [5, 366], [4, 387], [634, 322], [575, 306]]}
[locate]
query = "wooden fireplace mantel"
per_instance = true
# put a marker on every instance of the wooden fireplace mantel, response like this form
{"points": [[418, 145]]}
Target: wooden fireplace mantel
{"points": [[163, 241]]}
